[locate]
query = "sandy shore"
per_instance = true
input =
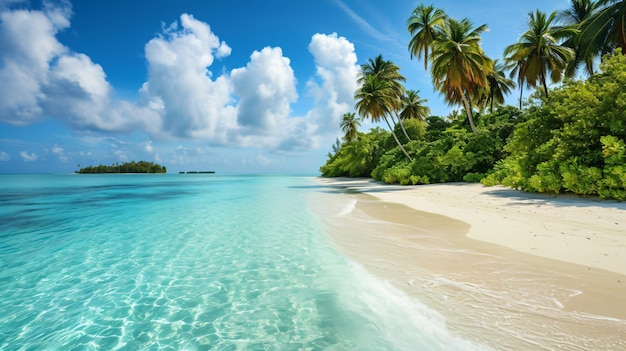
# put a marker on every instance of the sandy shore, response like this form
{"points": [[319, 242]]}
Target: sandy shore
{"points": [[507, 268]]}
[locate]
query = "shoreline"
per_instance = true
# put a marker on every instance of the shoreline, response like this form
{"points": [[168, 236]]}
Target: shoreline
{"points": [[564, 228], [506, 268]]}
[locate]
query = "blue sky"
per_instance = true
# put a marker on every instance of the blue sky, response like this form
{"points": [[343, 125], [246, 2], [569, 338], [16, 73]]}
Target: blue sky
{"points": [[230, 86]]}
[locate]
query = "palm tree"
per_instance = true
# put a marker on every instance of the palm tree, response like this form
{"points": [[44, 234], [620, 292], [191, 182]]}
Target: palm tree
{"points": [[540, 50], [574, 16], [459, 66], [349, 125], [383, 68], [498, 85], [424, 25], [376, 98], [518, 70], [389, 72], [413, 107], [606, 28]]}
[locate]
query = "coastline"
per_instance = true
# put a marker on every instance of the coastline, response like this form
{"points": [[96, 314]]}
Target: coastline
{"points": [[510, 269]]}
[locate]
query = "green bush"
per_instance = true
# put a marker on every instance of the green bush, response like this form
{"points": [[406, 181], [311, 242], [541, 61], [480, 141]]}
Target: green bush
{"points": [[357, 158], [573, 141]]}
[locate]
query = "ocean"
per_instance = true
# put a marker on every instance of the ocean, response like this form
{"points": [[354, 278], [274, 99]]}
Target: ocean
{"points": [[190, 262]]}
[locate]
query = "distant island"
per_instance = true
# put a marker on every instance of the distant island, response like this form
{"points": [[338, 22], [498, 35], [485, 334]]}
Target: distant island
{"points": [[128, 167]]}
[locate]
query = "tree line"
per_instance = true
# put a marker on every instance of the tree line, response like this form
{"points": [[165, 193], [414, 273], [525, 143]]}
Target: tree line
{"points": [[127, 167], [468, 145]]}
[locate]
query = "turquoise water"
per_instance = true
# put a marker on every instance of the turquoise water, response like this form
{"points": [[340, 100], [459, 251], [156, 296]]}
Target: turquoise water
{"points": [[189, 262]]}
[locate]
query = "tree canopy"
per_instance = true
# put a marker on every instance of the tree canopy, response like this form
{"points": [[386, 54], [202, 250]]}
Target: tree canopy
{"points": [[127, 167]]}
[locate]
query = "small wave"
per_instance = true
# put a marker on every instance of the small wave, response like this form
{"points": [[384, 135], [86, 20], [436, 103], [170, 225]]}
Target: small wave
{"points": [[407, 323], [347, 208]]}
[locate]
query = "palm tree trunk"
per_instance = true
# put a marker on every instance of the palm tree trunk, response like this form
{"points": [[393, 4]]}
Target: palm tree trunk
{"points": [[393, 120], [401, 125], [404, 129], [521, 87], [397, 140], [545, 86], [468, 109]]}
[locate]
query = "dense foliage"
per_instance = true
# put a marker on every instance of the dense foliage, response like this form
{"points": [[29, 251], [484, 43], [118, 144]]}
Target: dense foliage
{"points": [[128, 167], [574, 141], [442, 151]]}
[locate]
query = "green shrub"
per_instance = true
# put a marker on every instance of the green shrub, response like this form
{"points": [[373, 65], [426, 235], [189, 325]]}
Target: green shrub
{"points": [[573, 141]]}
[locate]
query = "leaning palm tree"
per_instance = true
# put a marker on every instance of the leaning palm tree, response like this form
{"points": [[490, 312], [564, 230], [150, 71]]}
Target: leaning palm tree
{"points": [[541, 51], [424, 25], [579, 12], [349, 125], [387, 71], [605, 30], [413, 107], [376, 99], [498, 85], [390, 73], [459, 66]]}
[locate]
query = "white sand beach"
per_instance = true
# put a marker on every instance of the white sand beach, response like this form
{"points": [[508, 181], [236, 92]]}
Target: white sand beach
{"points": [[510, 269]]}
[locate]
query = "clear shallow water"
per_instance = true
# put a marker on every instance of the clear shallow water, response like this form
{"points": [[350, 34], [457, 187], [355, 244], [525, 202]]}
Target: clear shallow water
{"points": [[189, 262]]}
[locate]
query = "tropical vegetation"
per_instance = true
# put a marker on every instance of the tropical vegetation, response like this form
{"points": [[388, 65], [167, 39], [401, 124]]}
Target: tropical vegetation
{"points": [[568, 137], [127, 167], [574, 141]]}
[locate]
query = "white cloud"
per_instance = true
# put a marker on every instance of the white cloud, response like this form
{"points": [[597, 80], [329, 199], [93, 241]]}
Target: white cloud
{"points": [[28, 157], [59, 12], [148, 146], [57, 150], [333, 86], [121, 155], [29, 45], [4, 156], [182, 97], [266, 87], [180, 87], [60, 153], [77, 91], [42, 77]]}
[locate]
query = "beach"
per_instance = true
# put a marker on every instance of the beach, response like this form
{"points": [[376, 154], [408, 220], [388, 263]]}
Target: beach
{"points": [[506, 268]]}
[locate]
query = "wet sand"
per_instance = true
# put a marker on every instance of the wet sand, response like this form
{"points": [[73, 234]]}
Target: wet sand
{"points": [[515, 271]]}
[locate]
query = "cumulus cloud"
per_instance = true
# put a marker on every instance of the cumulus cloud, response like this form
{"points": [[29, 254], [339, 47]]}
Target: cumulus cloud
{"points": [[332, 89], [182, 97], [29, 45], [334, 85], [266, 87], [179, 85], [28, 157], [43, 78]]}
